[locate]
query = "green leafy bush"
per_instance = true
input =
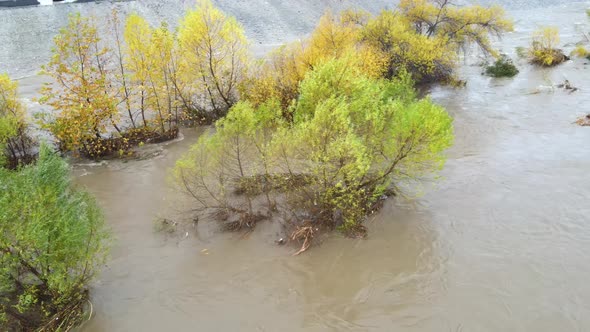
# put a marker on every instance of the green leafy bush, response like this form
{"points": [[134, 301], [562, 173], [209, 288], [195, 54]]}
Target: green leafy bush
{"points": [[52, 241], [351, 140], [503, 67]]}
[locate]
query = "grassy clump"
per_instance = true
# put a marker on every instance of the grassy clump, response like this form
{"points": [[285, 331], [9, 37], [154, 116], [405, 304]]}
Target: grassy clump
{"points": [[503, 67]]}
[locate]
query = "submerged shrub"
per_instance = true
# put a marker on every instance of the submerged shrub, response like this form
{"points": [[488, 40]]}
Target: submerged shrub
{"points": [[351, 139], [52, 242], [214, 56], [543, 51], [503, 67]]}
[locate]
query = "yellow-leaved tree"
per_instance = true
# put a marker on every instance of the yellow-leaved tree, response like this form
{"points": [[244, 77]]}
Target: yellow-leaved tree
{"points": [[425, 37], [214, 58], [81, 95], [138, 35], [151, 59], [426, 58], [459, 25], [161, 80], [15, 143], [122, 74]]}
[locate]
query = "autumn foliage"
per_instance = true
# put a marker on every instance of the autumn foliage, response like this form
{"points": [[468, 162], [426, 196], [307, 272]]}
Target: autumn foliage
{"points": [[420, 37], [331, 124], [15, 142], [82, 95], [214, 59], [543, 50], [141, 82], [145, 80]]}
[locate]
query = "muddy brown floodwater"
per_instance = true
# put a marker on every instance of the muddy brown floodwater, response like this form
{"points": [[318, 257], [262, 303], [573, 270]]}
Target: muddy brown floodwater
{"points": [[500, 243]]}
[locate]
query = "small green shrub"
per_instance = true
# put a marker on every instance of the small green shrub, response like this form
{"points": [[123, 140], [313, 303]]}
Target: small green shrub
{"points": [[503, 67]]}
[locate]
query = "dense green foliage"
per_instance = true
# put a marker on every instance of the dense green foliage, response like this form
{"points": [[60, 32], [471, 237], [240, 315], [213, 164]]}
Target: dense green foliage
{"points": [[351, 140], [52, 241], [503, 67]]}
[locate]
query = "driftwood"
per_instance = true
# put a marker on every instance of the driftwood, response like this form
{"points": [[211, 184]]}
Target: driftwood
{"points": [[584, 121]]}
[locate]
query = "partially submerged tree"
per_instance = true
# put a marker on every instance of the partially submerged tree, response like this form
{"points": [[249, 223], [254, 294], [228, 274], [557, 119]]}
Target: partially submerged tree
{"points": [[106, 100], [15, 143], [52, 243], [351, 139], [214, 59], [424, 37], [82, 96], [122, 73], [460, 26], [150, 58]]}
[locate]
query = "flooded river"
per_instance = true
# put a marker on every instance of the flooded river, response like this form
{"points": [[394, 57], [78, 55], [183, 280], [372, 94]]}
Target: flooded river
{"points": [[500, 243]]}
